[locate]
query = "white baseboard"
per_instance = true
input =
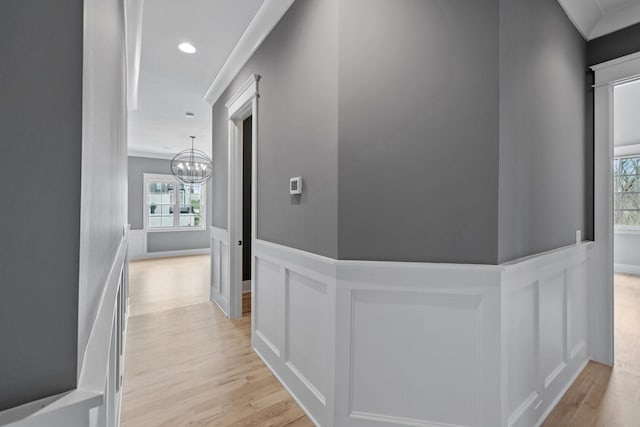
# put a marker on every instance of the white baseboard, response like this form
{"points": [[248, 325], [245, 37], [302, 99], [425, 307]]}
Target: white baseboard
{"points": [[349, 338], [284, 384], [627, 269], [169, 254], [568, 384]]}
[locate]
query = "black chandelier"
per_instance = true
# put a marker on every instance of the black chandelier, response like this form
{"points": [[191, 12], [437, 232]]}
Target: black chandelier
{"points": [[192, 166]]}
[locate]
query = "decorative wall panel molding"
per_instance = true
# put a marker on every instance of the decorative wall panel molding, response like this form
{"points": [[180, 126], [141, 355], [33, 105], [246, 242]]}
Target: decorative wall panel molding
{"points": [[361, 343], [545, 330], [137, 244], [220, 267]]}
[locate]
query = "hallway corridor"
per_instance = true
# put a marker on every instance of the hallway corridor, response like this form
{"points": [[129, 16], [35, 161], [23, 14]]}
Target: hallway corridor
{"points": [[186, 363]]}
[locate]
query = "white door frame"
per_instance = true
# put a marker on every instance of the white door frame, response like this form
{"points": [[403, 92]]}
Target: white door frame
{"points": [[242, 105], [601, 303]]}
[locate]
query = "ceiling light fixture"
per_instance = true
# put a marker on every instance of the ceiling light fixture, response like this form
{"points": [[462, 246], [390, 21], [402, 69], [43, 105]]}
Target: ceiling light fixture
{"points": [[189, 115], [192, 166], [187, 47]]}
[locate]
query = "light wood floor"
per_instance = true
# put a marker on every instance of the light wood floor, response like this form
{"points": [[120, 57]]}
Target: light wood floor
{"points": [[603, 396], [166, 283], [186, 363], [246, 303]]}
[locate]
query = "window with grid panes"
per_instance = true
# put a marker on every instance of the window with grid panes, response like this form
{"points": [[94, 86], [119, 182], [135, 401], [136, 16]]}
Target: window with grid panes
{"points": [[626, 191], [170, 204]]}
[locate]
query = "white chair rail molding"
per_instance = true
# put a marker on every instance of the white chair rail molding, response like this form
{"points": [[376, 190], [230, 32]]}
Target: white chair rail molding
{"points": [[361, 343]]}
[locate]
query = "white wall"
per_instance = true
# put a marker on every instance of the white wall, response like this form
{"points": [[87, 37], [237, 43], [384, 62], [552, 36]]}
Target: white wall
{"points": [[626, 251], [103, 212], [626, 137], [626, 104]]}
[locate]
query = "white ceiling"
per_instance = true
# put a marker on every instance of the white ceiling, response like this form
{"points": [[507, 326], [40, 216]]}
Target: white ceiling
{"points": [[626, 117], [171, 82], [166, 83], [595, 18]]}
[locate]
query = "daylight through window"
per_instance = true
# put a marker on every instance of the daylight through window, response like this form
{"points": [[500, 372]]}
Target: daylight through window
{"points": [[171, 204], [626, 191]]}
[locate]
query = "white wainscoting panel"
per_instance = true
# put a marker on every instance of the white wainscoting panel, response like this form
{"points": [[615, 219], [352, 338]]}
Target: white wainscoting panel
{"points": [[577, 301], [439, 377], [137, 244], [294, 294], [220, 268], [306, 335], [552, 325], [360, 343], [522, 344], [269, 299], [417, 344], [545, 302]]}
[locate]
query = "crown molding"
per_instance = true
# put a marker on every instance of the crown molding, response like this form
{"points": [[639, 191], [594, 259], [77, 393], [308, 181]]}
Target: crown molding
{"points": [[265, 19], [626, 150], [622, 16], [583, 14], [133, 152]]}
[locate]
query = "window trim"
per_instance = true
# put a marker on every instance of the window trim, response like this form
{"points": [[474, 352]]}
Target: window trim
{"points": [[149, 177], [626, 229]]}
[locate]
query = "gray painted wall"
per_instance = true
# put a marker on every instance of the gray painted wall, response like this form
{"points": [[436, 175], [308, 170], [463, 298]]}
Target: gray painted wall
{"points": [[461, 130], [160, 241], [418, 133], [40, 124], [137, 166], [177, 241], [298, 130], [543, 140]]}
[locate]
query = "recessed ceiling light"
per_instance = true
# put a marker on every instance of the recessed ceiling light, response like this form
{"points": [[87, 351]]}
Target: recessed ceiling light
{"points": [[189, 115], [187, 47]]}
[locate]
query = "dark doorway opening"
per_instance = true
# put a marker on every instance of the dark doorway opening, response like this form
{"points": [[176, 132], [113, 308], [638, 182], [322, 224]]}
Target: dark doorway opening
{"points": [[247, 138]]}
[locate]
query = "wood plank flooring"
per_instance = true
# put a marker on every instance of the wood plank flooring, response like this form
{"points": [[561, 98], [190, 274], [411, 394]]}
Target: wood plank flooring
{"points": [[165, 283], [186, 363], [603, 396], [246, 303]]}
